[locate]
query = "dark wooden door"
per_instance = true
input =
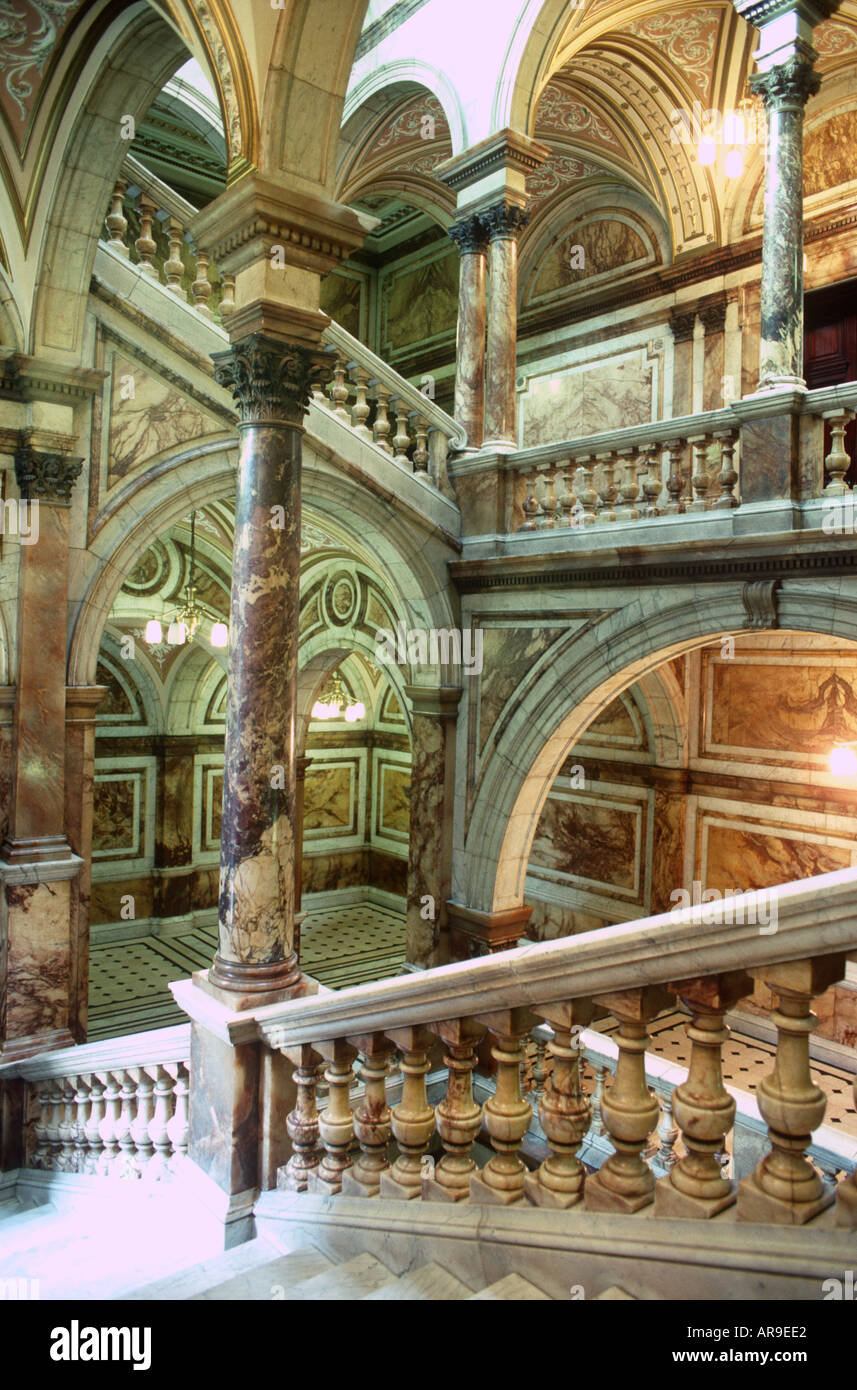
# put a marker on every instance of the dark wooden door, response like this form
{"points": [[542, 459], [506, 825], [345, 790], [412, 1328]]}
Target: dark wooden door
{"points": [[830, 350]]}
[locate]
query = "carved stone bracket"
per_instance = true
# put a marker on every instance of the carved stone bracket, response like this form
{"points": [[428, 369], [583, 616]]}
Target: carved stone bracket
{"points": [[46, 477], [760, 602], [270, 380]]}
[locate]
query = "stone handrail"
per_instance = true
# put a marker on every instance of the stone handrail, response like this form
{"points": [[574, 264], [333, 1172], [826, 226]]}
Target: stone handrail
{"points": [[797, 938]]}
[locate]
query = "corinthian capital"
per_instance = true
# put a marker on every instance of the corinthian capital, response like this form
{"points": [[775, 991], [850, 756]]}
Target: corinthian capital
{"points": [[46, 477], [470, 235], [788, 84], [505, 220], [269, 379]]}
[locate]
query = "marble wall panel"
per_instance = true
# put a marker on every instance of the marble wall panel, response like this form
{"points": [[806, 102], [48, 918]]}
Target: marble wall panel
{"points": [[330, 799], [508, 653], [157, 418], [393, 811], [34, 922], [828, 153], [733, 856], [591, 839], [419, 302], [668, 843], [587, 398], [116, 825], [608, 244]]}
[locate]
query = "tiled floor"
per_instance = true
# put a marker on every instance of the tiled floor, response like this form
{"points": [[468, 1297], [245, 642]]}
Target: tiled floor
{"points": [[128, 979]]}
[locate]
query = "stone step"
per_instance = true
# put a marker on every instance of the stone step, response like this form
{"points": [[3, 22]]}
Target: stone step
{"points": [[272, 1281], [432, 1283], [352, 1280], [514, 1287], [208, 1274], [17, 1231]]}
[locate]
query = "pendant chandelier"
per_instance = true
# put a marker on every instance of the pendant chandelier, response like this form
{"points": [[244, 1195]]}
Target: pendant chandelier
{"points": [[330, 703], [184, 626]]}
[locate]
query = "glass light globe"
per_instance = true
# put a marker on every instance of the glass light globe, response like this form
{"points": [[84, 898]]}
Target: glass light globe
{"points": [[176, 634], [706, 150], [843, 760], [734, 164], [319, 710], [154, 632], [219, 635]]}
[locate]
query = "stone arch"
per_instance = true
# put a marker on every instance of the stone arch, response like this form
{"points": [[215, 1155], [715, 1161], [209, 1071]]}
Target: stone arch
{"points": [[375, 92], [320, 657], [565, 696], [12, 332]]}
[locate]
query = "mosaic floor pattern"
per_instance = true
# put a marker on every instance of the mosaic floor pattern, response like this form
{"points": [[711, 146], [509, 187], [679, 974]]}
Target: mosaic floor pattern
{"points": [[129, 979]]}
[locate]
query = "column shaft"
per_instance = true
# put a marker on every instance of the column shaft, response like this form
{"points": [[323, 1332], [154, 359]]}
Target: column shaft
{"points": [[503, 221], [470, 236]]}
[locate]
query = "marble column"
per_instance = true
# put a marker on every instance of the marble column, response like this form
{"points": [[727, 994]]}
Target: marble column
{"points": [[471, 238], [81, 705], [430, 839], [504, 222], [301, 765], [713, 317], [683, 323], [38, 870], [256, 962]]}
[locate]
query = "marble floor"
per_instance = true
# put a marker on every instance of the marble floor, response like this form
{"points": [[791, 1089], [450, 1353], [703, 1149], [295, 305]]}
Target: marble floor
{"points": [[128, 991]]}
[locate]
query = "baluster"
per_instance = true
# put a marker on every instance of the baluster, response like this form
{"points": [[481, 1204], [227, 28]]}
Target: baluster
{"points": [[401, 439], [336, 1122], [64, 1162], [699, 479], [538, 1071], [92, 1128], [81, 1114], [652, 485], [531, 504], [675, 480], [586, 495], [625, 1182], [412, 1119], [201, 286], [302, 1122], [177, 1125], [550, 506], [339, 392], [506, 1114], [607, 492], [318, 395], [227, 297], [382, 421], [727, 477], [109, 1125], [145, 243], [704, 1110], [564, 1111], [144, 1113], [568, 501], [457, 1116], [372, 1124], [420, 455], [846, 1192], [361, 409], [158, 1168], [785, 1188], [596, 1128], [41, 1149], [116, 221], [174, 266], [124, 1166], [667, 1132], [630, 488], [838, 460], [54, 1126]]}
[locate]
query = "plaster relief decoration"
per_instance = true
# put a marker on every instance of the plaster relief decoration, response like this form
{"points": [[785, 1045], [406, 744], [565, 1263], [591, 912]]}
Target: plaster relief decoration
{"points": [[29, 30], [832, 40], [609, 244], [420, 119], [828, 153], [688, 38], [589, 397], [558, 172], [148, 423], [559, 111]]}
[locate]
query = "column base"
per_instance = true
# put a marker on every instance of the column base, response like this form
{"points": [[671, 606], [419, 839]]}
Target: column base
{"points": [[352, 1186], [846, 1204], [394, 1191], [540, 1196], [291, 1182], [483, 1195], [42, 849], [19, 1049], [670, 1202], [241, 987], [761, 1208], [597, 1197], [434, 1191]]}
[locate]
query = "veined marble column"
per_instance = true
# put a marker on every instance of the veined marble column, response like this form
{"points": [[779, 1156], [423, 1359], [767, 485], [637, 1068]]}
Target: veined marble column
{"points": [[504, 222], [471, 238], [430, 837], [683, 323], [80, 710], [713, 318], [38, 870], [255, 962]]}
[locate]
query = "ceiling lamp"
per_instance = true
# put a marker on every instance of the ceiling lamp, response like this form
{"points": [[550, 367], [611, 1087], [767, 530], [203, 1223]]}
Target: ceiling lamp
{"points": [[706, 150], [734, 164], [186, 623], [843, 760], [330, 703]]}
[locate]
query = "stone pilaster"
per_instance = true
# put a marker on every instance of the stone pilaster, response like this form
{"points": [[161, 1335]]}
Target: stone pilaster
{"points": [[683, 323], [504, 222], [712, 313], [430, 842], [256, 962], [471, 238]]}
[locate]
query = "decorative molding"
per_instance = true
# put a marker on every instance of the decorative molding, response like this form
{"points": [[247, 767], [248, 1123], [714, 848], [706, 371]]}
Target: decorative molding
{"points": [[789, 84], [506, 150], [759, 12], [46, 477], [682, 324], [760, 601], [270, 380]]}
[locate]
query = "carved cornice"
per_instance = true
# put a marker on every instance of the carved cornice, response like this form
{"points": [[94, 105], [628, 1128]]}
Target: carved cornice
{"points": [[759, 12], [46, 477], [470, 235], [508, 149], [788, 84], [24, 378], [270, 380], [504, 221]]}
